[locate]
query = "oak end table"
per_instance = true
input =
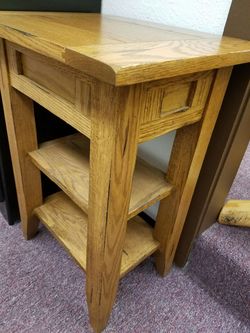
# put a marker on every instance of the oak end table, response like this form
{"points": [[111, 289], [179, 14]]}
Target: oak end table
{"points": [[118, 82]]}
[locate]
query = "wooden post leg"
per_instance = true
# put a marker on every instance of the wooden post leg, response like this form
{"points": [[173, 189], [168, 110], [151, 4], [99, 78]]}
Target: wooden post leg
{"points": [[20, 123], [186, 160], [112, 161]]}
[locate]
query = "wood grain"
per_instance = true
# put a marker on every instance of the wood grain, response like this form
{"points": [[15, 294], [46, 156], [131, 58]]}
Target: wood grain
{"points": [[236, 213], [121, 51], [55, 104], [126, 64], [166, 108], [115, 129], [226, 149], [185, 163], [119, 82], [167, 124], [69, 225], [56, 87], [160, 91], [66, 162], [20, 123], [60, 82], [177, 99]]}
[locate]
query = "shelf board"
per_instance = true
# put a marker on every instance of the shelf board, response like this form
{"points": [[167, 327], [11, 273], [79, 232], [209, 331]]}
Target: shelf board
{"points": [[66, 162], [68, 223]]}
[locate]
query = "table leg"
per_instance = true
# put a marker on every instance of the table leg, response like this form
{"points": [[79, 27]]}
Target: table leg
{"points": [[21, 128], [115, 127], [185, 163]]}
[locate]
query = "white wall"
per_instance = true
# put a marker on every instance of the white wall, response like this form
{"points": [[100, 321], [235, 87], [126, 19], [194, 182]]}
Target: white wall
{"points": [[203, 15]]}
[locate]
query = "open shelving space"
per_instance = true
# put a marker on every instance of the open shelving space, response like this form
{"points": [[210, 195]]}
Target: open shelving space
{"points": [[68, 223], [66, 162]]}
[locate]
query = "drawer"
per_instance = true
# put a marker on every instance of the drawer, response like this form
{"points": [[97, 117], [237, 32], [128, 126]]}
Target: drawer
{"points": [[60, 89], [174, 103]]}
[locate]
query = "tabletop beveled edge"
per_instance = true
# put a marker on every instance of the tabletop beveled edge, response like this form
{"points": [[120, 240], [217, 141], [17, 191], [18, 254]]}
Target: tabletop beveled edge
{"points": [[121, 73]]}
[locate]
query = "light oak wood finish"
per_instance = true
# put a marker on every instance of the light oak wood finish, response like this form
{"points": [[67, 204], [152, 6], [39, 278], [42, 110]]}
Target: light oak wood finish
{"points": [[53, 85], [120, 51], [185, 163], [66, 162], [69, 224], [118, 82], [236, 213], [173, 103], [60, 82], [115, 132], [20, 123], [30, 73]]}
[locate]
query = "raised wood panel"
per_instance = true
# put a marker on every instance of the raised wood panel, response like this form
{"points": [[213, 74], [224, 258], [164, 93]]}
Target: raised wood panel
{"points": [[68, 223], [10, 46], [60, 89], [173, 103], [177, 99], [66, 162], [59, 81]]}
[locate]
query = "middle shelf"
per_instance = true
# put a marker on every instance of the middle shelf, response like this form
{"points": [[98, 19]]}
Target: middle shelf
{"points": [[66, 162]]}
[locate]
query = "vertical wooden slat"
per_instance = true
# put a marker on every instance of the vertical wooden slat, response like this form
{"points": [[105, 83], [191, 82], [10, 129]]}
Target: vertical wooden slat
{"points": [[186, 160], [20, 123]]}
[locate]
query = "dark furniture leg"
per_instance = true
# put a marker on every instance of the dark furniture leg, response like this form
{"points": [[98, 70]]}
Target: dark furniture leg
{"points": [[85, 6], [1, 189], [7, 178], [226, 150], [228, 145]]}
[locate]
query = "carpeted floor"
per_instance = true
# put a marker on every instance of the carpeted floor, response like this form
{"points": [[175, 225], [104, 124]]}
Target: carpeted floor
{"points": [[42, 290]]}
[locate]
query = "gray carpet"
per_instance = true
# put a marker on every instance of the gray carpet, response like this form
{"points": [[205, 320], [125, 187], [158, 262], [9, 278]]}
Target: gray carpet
{"points": [[42, 290]]}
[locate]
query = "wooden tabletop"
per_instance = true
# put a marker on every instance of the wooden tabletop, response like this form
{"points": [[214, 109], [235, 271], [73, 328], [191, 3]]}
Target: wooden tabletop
{"points": [[121, 51]]}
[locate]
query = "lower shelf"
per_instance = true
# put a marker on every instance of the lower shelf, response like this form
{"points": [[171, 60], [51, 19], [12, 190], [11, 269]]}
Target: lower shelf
{"points": [[68, 223]]}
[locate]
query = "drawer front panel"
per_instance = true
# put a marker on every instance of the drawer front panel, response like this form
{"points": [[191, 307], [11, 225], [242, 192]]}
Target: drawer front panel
{"points": [[174, 103], [53, 78], [63, 91], [177, 99]]}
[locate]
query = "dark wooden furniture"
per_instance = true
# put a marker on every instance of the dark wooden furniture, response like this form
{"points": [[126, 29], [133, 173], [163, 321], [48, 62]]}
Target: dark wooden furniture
{"points": [[85, 6], [7, 183], [227, 146]]}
